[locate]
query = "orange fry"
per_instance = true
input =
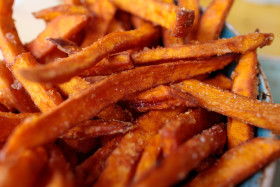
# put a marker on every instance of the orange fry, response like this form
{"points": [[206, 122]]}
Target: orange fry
{"points": [[213, 20], [115, 26], [237, 44], [95, 128], [23, 170], [120, 164], [245, 82], [63, 69], [64, 26], [98, 96], [83, 145], [74, 86], [72, 2], [180, 162], [44, 96], [239, 163], [64, 9], [3, 108], [220, 81], [176, 19], [232, 105], [65, 45], [6, 7]]}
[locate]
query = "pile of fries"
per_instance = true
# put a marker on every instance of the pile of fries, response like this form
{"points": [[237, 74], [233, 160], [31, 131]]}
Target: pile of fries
{"points": [[131, 93]]}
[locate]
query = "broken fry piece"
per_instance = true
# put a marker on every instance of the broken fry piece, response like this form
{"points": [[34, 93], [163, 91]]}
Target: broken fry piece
{"points": [[176, 19]]}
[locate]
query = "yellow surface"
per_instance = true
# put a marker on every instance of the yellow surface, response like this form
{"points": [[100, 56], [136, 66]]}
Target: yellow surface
{"points": [[248, 16]]}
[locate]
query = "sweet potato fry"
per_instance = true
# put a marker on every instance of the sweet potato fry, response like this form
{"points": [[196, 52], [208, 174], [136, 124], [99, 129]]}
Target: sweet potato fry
{"points": [[64, 9], [115, 112], [193, 5], [178, 20], [63, 69], [95, 79], [89, 103], [123, 19], [161, 97], [51, 56], [72, 2], [245, 82], [179, 163], [115, 26], [8, 121], [74, 86], [237, 44], [63, 26], [220, 81], [98, 27], [119, 166], [213, 20], [44, 96], [65, 45], [23, 170], [239, 163], [83, 145], [3, 108], [95, 128], [88, 172], [6, 7], [13, 96], [232, 105]]}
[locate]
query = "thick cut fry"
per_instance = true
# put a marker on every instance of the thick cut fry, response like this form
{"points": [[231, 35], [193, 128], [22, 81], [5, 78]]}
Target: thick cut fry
{"points": [[193, 5], [64, 26], [119, 166], [8, 121], [239, 163], [237, 44], [220, 81], [213, 20], [12, 94], [95, 128], [63, 69], [176, 19], [161, 97], [179, 163], [101, 95], [44, 96], [23, 170], [88, 172], [245, 82], [232, 105], [66, 9], [98, 27]]}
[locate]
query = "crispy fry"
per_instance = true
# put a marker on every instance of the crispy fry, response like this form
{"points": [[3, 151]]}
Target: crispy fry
{"points": [[95, 128], [64, 26], [193, 5], [98, 27], [119, 166], [99, 96], [115, 26], [245, 82], [74, 86], [213, 20], [161, 97], [8, 121], [88, 172], [44, 96], [239, 163], [233, 105], [237, 44], [83, 145], [13, 96], [23, 170], [94, 79], [65, 45], [220, 81], [64, 9], [179, 21], [51, 56], [179, 163], [63, 69]]}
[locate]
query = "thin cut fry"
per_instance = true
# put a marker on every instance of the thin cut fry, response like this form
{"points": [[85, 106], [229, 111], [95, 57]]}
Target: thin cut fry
{"points": [[179, 163], [95, 128], [237, 44], [63, 26], [45, 97], [74, 86], [176, 19], [65, 45], [90, 102], [213, 20], [245, 82], [232, 105], [119, 166], [239, 163], [66, 9], [220, 81], [63, 69]]}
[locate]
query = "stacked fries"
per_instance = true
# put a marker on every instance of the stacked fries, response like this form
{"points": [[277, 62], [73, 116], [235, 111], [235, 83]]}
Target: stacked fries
{"points": [[130, 93]]}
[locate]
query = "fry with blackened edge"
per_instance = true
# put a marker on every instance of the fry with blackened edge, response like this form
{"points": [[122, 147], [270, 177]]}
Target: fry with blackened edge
{"points": [[179, 163]]}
